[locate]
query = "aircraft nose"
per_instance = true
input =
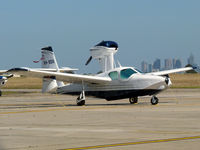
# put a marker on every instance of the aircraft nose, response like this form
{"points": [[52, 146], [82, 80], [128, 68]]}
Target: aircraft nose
{"points": [[165, 82], [168, 81], [161, 82]]}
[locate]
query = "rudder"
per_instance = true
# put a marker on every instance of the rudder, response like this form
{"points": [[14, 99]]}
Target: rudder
{"points": [[48, 58]]}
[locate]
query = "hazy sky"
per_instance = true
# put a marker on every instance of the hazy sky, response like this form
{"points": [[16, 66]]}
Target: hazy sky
{"points": [[144, 30]]}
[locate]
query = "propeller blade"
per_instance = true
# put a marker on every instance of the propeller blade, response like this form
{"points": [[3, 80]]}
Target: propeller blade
{"points": [[88, 61]]}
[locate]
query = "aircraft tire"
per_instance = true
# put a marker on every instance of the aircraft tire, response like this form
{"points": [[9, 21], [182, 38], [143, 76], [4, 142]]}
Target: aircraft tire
{"points": [[0, 93], [81, 103], [154, 100], [133, 100]]}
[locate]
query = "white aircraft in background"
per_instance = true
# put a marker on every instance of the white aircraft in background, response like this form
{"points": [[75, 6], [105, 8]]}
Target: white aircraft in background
{"points": [[3, 79], [112, 84]]}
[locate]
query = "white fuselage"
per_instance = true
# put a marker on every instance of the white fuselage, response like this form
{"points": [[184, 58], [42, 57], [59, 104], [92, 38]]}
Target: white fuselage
{"points": [[133, 85]]}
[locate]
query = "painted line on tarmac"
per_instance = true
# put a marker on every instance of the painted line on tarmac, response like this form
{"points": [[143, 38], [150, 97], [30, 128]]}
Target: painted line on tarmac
{"points": [[119, 106], [78, 108], [28, 104], [56, 109], [134, 143], [28, 111]]}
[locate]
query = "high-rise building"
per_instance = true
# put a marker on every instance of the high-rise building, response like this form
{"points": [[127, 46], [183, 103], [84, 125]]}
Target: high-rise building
{"points": [[174, 63], [178, 63], [157, 64], [144, 66], [191, 59], [168, 64], [150, 68]]}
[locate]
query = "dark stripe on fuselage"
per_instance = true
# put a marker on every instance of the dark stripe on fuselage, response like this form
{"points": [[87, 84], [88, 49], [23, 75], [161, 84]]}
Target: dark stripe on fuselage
{"points": [[118, 94]]}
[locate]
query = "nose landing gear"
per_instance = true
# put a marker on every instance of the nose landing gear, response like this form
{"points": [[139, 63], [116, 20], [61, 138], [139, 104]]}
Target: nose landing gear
{"points": [[154, 100]]}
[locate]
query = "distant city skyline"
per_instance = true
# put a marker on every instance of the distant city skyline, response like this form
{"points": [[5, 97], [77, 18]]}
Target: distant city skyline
{"points": [[168, 63]]}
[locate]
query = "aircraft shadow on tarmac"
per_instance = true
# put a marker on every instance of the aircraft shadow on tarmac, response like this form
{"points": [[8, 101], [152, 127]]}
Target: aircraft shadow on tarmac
{"points": [[46, 105]]}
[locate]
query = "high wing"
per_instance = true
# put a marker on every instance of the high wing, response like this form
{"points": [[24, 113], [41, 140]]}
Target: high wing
{"points": [[67, 69], [67, 77], [165, 72]]}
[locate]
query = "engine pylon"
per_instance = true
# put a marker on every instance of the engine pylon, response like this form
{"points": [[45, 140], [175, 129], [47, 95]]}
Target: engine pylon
{"points": [[104, 53]]}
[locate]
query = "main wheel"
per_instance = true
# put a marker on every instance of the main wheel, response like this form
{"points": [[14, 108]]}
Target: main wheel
{"points": [[0, 93], [81, 103], [133, 100], [154, 100]]}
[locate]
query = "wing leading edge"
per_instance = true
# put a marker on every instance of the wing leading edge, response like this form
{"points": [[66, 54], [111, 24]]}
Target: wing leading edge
{"points": [[165, 72], [66, 77]]}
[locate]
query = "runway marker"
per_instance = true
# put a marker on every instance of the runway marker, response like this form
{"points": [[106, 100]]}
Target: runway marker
{"points": [[134, 143]]}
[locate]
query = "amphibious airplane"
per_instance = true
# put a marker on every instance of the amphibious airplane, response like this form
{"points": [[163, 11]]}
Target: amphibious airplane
{"points": [[113, 83]]}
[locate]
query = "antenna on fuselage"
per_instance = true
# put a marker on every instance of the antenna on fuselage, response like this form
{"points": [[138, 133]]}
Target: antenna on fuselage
{"points": [[104, 53]]}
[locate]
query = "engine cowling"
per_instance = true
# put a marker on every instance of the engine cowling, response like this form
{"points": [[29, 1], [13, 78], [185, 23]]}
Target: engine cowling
{"points": [[167, 80], [104, 53]]}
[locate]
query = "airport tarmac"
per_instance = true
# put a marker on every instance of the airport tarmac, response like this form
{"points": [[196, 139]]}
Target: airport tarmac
{"points": [[33, 121]]}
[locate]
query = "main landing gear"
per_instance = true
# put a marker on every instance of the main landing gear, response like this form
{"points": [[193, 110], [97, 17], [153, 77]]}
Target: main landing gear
{"points": [[0, 93], [81, 99], [133, 100]]}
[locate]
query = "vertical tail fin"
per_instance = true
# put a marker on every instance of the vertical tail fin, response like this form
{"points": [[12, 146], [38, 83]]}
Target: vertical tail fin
{"points": [[49, 61], [48, 58]]}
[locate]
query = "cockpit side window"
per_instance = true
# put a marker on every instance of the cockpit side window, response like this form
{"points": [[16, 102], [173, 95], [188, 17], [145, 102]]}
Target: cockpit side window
{"points": [[113, 75], [126, 73]]}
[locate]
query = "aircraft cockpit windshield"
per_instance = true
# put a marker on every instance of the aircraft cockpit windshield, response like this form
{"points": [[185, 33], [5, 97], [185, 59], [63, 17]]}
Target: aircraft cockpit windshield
{"points": [[123, 74], [126, 73]]}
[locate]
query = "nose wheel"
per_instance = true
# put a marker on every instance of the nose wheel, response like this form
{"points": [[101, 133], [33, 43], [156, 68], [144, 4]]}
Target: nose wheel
{"points": [[154, 100], [133, 100]]}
